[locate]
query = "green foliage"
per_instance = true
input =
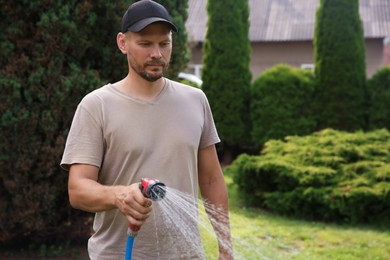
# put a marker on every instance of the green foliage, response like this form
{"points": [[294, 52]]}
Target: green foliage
{"points": [[281, 104], [379, 89], [50, 61], [189, 83], [226, 75], [329, 175], [341, 94]]}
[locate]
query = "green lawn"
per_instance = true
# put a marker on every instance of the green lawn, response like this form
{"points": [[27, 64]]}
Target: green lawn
{"points": [[261, 235]]}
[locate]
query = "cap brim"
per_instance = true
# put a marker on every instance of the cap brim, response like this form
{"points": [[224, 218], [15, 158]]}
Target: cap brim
{"points": [[140, 25]]}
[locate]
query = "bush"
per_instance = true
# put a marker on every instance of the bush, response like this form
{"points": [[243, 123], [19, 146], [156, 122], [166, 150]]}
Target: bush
{"points": [[281, 104], [379, 90], [53, 53], [329, 175]]}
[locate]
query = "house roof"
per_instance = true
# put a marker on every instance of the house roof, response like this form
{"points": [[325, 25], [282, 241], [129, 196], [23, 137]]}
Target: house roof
{"points": [[289, 20]]}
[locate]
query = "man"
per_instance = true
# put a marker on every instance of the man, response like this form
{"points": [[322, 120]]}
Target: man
{"points": [[142, 126]]}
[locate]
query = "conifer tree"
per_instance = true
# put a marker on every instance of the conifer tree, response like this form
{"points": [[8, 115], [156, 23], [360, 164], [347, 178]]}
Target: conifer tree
{"points": [[341, 95], [226, 75]]}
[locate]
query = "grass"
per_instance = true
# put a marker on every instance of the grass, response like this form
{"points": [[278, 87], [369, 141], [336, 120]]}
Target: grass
{"points": [[258, 234]]}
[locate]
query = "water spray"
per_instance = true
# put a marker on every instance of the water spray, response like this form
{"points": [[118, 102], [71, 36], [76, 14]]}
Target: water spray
{"points": [[154, 190]]}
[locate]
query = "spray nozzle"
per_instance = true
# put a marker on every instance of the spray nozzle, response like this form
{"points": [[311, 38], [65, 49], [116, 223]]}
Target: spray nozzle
{"points": [[152, 188]]}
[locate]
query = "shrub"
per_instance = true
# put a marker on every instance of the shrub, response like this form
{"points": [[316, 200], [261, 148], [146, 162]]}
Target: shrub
{"points": [[49, 62], [379, 90], [281, 104], [329, 175]]}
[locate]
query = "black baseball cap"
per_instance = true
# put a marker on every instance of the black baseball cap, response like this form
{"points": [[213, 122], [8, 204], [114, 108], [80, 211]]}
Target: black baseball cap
{"points": [[142, 13]]}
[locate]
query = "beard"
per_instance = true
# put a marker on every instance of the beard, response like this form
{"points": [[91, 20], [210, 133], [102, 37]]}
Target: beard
{"points": [[149, 76], [156, 74]]}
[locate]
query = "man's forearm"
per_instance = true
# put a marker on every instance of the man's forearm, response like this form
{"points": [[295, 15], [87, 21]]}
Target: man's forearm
{"points": [[85, 193], [217, 209], [214, 192], [90, 196], [219, 219]]}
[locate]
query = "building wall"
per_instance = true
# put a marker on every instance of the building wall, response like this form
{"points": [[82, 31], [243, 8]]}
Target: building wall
{"points": [[268, 54], [386, 51], [374, 56]]}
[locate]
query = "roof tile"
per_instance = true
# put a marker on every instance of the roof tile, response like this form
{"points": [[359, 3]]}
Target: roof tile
{"points": [[289, 20]]}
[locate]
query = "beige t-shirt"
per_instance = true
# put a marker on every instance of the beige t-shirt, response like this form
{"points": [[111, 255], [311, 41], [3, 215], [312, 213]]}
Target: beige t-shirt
{"points": [[129, 139]]}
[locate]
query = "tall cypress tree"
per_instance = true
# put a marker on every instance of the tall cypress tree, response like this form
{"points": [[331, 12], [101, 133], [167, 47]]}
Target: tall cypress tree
{"points": [[341, 95], [226, 75]]}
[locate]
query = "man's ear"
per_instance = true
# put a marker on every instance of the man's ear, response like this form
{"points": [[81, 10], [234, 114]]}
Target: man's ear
{"points": [[121, 41]]}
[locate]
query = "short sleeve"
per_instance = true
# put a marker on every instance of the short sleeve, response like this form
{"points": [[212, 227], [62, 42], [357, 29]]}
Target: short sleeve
{"points": [[209, 134], [85, 143]]}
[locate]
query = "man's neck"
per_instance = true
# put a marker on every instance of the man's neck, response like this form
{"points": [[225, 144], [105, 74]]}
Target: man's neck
{"points": [[137, 87]]}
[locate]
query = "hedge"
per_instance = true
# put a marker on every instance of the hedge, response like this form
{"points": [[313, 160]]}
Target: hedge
{"points": [[281, 104], [329, 175]]}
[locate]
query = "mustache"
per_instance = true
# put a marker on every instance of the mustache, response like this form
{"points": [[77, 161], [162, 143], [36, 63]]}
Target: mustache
{"points": [[155, 63]]}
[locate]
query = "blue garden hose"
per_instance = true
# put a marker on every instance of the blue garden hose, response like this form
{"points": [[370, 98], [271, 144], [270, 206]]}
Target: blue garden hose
{"points": [[131, 234], [150, 188], [129, 247]]}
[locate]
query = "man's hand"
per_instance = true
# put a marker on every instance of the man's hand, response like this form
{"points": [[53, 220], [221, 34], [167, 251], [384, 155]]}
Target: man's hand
{"points": [[130, 201]]}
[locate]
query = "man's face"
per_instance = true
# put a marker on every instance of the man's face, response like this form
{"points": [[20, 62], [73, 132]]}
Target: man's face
{"points": [[149, 51]]}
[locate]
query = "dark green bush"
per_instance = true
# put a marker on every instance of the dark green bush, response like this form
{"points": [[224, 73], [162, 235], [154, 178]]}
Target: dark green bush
{"points": [[329, 175], [49, 60], [308, 203], [379, 90], [281, 104]]}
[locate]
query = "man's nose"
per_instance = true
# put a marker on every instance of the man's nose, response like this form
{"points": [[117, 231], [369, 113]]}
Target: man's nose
{"points": [[156, 52]]}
